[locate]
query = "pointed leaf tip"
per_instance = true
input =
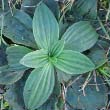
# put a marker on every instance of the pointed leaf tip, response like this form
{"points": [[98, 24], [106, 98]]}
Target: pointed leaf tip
{"points": [[45, 27]]}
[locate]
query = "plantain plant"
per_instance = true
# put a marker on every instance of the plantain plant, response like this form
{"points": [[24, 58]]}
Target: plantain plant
{"points": [[54, 53]]}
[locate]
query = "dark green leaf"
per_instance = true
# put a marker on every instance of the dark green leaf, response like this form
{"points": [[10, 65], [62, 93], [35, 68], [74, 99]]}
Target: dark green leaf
{"points": [[98, 53], [53, 6], [87, 8], [45, 27], [18, 29], [102, 44], [8, 76], [49, 105], [63, 27], [14, 96], [39, 86], [72, 62], [3, 59], [93, 100], [14, 55], [32, 5], [80, 36], [98, 57], [13, 71]]}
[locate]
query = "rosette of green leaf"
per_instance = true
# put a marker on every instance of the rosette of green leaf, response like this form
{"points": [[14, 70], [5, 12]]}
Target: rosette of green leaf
{"points": [[51, 55]]}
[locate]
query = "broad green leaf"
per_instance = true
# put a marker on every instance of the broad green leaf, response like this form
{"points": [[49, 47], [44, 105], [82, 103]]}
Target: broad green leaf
{"points": [[18, 29], [94, 98], [13, 71], [8, 76], [50, 104], [35, 59], [14, 95], [45, 27], [102, 44], [98, 57], [39, 86], [86, 8], [73, 62], [3, 59], [57, 48], [80, 36], [14, 55], [98, 53]]}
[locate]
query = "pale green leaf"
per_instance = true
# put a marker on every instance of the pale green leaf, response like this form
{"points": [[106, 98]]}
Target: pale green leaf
{"points": [[57, 48], [14, 55], [73, 62], [45, 27], [39, 86], [80, 36], [35, 59]]}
